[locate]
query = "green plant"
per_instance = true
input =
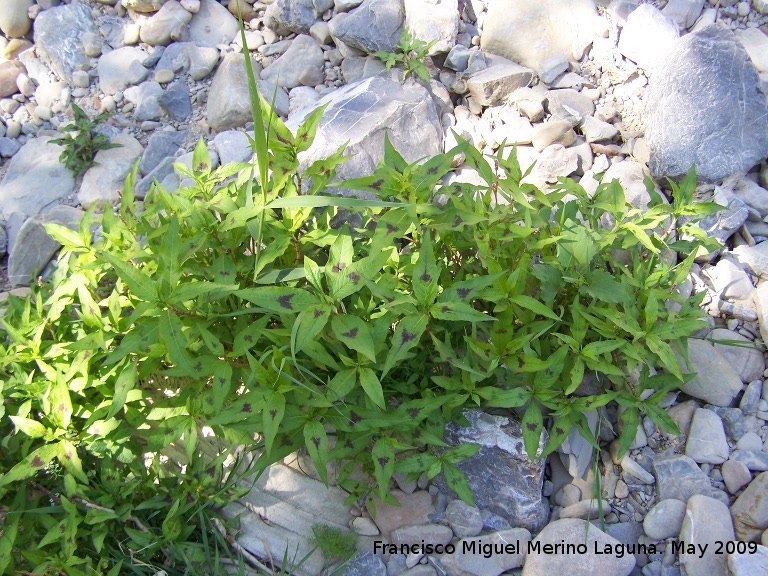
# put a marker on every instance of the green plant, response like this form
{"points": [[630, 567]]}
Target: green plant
{"points": [[409, 52], [334, 544], [80, 149]]}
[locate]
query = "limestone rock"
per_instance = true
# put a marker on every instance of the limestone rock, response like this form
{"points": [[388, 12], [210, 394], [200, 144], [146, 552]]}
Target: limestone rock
{"points": [[361, 113], [502, 477], [414, 510], [465, 520], [750, 511], [304, 53], [748, 564], [121, 68], [704, 106], [194, 58], [665, 519], [706, 521], [33, 247], [680, 478], [176, 102], [103, 182], [286, 16], [532, 31], [716, 381], [574, 532], [497, 81], [58, 34], [478, 564], [684, 13], [433, 20], [143, 6], [648, 36], [746, 360], [166, 25], [9, 72], [706, 440], [213, 24], [14, 20], [374, 25], [161, 145], [228, 100]]}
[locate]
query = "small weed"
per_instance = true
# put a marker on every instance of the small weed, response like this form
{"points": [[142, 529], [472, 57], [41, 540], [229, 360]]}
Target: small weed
{"points": [[410, 52], [80, 150], [334, 544]]}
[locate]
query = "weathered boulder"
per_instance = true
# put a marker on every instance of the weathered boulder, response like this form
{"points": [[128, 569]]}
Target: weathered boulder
{"points": [[704, 107], [58, 38], [361, 113], [294, 67], [374, 25], [502, 477], [102, 183], [286, 16], [433, 20]]}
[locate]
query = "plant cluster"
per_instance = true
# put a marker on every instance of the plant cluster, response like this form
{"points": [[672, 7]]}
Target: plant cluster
{"points": [[80, 149], [250, 308], [410, 53]]}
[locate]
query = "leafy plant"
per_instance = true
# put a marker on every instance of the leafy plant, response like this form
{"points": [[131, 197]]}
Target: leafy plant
{"points": [[334, 544], [80, 150], [409, 52], [252, 309]]}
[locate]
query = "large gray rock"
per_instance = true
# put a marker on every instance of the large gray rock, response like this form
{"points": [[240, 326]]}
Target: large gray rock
{"points": [[704, 106], [706, 439], [684, 13], [361, 113], [648, 36], [33, 247], [228, 100], [286, 16], [176, 101], [166, 25], [747, 564], [433, 20], [374, 25], [502, 477], [213, 24], [716, 381], [493, 84], [121, 68], [365, 564], [707, 521], [469, 558], [102, 183], [35, 179], [197, 60], [743, 357], [574, 532], [665, 519], [302, 57], [161, 145], [680, 478], [58, 34], [750, 511], [146, 97], [532, 31]]}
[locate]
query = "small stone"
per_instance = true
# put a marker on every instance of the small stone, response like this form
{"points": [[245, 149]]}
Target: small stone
{"points": [[164, 76], [736, 475], [43, 113], [706, 521], [555, 131], [465, 520], [191, 6], [365, 527], [131, 34], [432, 533], [81, 79], [622, 490], [750, 511], [755, 460], [706, 440], [665, 519], [92, 44]]}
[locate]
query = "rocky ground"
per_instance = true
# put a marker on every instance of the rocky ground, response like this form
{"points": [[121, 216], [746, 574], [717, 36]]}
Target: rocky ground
{"points": [[619, 88]]}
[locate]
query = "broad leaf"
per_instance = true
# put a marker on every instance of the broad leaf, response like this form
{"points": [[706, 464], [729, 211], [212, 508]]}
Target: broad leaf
{"points": [[355, 333]]}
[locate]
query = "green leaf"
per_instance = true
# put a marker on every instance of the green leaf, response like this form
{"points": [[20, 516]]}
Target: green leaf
{"points": [[64, 236], [372, 386], [532, 425], [59, 403], [557, 435], [603, 287], [629, 421], [665, 354], [31, 428], [308, 325], [426, 273], [279, 299], [191, 290], [201, 159], [383, 457], [139, 284], [596, 349], [577, 243], [661, 418], [176, 343], [457, 482], [458, 453], [407, 335], [577, 375], [316, 442], [34, 462], [274, 410], [124, 384], [534, 306], [355, 333], [342, 384], [67, 455]]}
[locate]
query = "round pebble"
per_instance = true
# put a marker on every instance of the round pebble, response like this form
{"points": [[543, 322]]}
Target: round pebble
{"points": [[13, 129], [664, 519], [43, 113], [743, 8], [131, 34], [81, 79], [164, 76]]}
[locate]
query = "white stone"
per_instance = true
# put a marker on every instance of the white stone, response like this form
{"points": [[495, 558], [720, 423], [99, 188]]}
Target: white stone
{"points": [[121, 68], [706, 439], [665, 519], [103, 182], [647, 37], [755, 42]]}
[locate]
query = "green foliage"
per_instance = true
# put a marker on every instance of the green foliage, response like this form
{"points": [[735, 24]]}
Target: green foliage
{"points": [[409, 53], [80, 149], [251, 309], [334, 544]]}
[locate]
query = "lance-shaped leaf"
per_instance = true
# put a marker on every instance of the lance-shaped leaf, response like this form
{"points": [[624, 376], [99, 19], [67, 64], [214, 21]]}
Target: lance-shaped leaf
{"points": [[392, 226], [175, 341], [534, 306], [31, 428], [426, 272], [355, 333], [383, 456], [407, 335], [603, 287], [532, 425], [67, 455], [342, 384], [274, 410], [59, 404], [457, 482], [560, 430], [308, 325], [140, 285], [316, 442], [124, 384], [372, 386], [35, 461], [458, 312], [278, 299]]}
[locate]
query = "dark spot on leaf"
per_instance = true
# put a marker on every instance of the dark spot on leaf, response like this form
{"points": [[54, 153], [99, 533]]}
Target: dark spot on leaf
{"points": [[445, 309], [273, 413], [413, 412], [198, 367], [377, 185], [348, 444], [338, 267], [202, 166], [501, 331], [319, 313], [285, 301], [355, 277], [432, 170], [246, 407], [305, 136], [37, 462], [588, 403], [559, 431], [382, 461], [222, 380], [463, 292], [354, 418], [531, 427], [316, 441], [211, 471], [392, 229], [425, 277], [68, 456], [224, 273], [458, 222], [351, 334], [285, 441], [62, 528], [248, 338], [520, 363], [407, 336], [283, 140]]}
